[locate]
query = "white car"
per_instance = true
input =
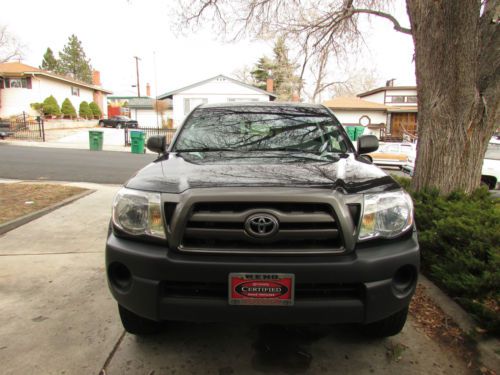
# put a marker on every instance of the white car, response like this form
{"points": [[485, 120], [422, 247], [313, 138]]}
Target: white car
{"points": [[393, 154], [490, 174]]}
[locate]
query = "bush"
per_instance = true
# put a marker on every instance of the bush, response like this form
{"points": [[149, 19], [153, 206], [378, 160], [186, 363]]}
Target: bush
{"points": [[84, 110], [37, 107], [459, 238], [94, 108], [50, 107], [67, 108]]}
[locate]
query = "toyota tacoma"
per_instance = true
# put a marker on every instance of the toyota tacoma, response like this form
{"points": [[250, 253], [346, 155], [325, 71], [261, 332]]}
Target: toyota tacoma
{"points": [[265, 213]]}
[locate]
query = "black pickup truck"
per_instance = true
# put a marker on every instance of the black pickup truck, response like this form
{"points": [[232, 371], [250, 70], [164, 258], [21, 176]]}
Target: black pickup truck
{"points": [[118, 122], [262, 213]]}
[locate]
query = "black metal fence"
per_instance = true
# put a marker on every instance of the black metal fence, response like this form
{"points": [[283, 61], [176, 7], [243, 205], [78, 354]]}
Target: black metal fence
{"points": [[168, 133], [24, 128]]}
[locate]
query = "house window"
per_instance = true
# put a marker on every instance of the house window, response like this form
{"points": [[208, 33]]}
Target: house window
{"points": [[396, 99], [75, 91], [18, 83], [411, 99], [242, 100], [190, 103]]}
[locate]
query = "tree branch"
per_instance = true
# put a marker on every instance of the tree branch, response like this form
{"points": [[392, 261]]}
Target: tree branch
{"points": [[390, 17]]}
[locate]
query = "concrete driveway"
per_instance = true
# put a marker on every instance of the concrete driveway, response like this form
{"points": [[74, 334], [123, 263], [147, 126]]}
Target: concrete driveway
{"points": [[57, 317], [111, 137]]}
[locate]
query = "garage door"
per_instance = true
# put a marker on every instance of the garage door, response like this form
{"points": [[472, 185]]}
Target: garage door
{"points": [[147, 119]]}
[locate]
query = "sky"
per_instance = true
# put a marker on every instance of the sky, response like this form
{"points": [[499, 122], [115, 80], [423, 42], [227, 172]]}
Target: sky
{"points": [[112, 32]]}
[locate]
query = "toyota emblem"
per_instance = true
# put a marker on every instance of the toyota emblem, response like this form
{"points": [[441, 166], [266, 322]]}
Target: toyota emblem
{"points": [[261, 225]]}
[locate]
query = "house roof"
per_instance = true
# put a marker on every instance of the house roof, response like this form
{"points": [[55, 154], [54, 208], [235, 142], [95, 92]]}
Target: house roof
{"points": [[145, 103], [18, 69], [387, 88], [171, 93], [353, 103]]}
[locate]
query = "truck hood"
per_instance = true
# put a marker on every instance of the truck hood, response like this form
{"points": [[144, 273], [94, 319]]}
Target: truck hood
{"points": [[175, 173]]}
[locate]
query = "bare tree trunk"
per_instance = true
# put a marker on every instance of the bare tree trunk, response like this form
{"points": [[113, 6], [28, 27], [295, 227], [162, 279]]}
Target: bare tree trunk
{"points": [[457, 69]]}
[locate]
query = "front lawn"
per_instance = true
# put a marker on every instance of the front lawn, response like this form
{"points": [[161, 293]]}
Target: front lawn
{"points": [[19, 199]]}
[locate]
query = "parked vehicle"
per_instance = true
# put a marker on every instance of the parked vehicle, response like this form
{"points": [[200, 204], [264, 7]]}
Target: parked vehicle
{"points": [[118, 122], [262, 212], [490, 173], [394, 154], [5, 129]]}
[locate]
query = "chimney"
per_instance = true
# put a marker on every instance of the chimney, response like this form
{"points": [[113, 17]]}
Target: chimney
{"points": [[148, 89], [270, 81], [96, 78]]}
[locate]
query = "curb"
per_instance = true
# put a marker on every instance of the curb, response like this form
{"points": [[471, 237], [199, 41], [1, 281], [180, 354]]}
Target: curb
{"points": [[13, 224], [488, 349]]}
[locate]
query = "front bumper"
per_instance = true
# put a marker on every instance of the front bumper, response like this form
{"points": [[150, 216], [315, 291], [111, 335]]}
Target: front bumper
{"points": [[369, 272]]}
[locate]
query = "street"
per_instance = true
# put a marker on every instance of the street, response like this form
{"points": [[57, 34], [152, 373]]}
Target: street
{"points": [[57, 164]]}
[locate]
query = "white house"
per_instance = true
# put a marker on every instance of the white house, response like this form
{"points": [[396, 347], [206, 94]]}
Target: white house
{"points": [[389, 112], [401, 109], [21, 85], [217, 89], [353, 111]]}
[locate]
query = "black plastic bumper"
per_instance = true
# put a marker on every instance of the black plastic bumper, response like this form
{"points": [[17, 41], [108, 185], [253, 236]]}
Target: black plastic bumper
{"points": [[370, 272]]}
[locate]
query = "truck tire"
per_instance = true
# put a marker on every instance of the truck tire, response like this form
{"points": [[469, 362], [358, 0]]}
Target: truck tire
{"points": [[136, 324], [389, 326]]}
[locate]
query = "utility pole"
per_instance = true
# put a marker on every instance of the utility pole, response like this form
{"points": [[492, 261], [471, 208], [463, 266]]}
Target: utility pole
{"points": [[137, 72]]}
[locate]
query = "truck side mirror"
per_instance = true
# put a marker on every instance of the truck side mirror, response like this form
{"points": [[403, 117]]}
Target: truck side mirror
{"points": [[157, 143], [367, 144]]}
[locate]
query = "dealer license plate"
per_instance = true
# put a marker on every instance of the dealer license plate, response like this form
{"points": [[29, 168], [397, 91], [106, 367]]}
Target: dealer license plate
{"points": [[269, 289]]}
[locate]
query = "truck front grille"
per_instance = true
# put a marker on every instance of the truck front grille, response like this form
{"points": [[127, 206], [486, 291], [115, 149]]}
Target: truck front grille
{"points": [[223, 227]]}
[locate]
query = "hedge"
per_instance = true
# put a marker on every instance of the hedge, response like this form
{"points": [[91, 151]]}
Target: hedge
{"points": [[67, 108], [459, 237]]}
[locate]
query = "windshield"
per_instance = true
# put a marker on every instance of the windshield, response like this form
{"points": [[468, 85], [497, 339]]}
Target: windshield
{"points": [[493, 151], [261, 129]]}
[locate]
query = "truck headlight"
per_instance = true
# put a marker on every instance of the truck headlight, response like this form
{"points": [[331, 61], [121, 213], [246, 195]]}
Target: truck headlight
{"points": [[386, 215], [138, 213]]}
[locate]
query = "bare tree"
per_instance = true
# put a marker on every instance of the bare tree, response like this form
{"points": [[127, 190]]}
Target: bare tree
{"points": [[356, 81], [457, 65], [10, 47], [244, 75]]}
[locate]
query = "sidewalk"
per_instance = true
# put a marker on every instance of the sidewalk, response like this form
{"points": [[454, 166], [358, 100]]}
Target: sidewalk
{"points": [[80, 146]]}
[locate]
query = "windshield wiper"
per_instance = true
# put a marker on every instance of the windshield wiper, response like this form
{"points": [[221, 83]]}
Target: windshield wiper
{"points": [[282, 149], [205, 149]]}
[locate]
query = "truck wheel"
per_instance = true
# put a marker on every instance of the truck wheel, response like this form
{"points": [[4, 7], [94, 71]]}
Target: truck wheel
{"points": [[389, 326], [118, 126], [136, 324]]}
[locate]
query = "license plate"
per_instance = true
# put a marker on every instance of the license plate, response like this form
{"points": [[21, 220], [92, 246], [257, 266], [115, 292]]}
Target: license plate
{"points": [[264, 289]]}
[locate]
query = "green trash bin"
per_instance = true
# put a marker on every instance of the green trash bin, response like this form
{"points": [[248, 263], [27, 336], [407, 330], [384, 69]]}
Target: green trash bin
{"points": [[359, 131], [138, 139], [351, 132], [95, 140]]}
